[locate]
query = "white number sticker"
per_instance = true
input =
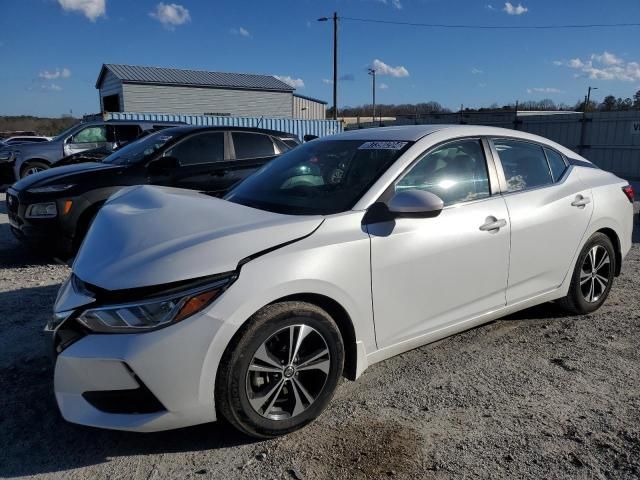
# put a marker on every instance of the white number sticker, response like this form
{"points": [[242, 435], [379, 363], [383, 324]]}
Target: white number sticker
{"points": [[382, 145]]}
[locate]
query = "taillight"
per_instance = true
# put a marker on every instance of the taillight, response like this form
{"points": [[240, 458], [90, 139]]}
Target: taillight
{"points": [[628, 191]]}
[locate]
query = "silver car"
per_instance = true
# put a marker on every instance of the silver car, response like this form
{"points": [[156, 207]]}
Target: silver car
{"points": [[339, 254]]}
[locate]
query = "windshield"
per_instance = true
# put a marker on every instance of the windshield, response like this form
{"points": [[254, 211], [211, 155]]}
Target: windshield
{"points": [[66, 132], [318, 178], [139, 150]]}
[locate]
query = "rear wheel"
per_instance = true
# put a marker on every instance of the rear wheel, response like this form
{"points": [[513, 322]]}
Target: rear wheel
{"points": [[592, 277], [33, 167], [282, 371]]}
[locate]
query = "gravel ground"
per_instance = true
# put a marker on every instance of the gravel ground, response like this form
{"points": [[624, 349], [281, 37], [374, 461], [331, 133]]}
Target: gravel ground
{"points": [[539, 394]]}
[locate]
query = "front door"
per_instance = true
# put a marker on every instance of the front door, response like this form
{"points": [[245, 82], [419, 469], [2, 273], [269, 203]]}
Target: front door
{"points": [[201, 159], [88, 138], [431, 273], [550, 209]]}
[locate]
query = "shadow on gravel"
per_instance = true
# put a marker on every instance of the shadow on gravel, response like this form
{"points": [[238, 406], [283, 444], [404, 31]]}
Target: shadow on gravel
{"points": [[42, 442], [540, 312], [17, 255]]}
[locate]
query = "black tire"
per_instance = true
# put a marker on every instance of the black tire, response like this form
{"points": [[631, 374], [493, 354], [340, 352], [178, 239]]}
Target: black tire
{"points": [[27, 168], [576, 300], [234, 381]]}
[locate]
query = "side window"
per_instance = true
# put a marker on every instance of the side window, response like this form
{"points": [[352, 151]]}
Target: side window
{"points": [[525, 165], [95, 134], [200, 148], [556, 163], [252, 145], [127, 133], [456, 172]]}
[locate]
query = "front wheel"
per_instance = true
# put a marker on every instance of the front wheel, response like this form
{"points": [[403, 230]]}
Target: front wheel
{"points": [[592, 277], [33, 167], [282, 371]]}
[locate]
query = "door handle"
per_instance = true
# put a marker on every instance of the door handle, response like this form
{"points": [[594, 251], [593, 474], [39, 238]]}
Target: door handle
{"points": [[581, 201], [493, 224]]}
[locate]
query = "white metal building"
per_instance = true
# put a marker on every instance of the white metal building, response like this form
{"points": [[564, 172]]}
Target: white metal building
{"points": [[128, 88]]}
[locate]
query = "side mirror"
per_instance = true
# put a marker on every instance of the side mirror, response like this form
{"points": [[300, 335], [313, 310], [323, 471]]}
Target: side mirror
{"points": [[415, 204], [163, 165], [308, 137]]}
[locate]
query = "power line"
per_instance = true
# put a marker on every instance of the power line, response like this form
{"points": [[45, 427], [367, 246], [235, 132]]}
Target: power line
{"points": [[493, 27]]}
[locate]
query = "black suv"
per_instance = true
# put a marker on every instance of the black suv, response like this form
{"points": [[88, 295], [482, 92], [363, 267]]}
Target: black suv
{"points": [[27, 158], [53, 209]]}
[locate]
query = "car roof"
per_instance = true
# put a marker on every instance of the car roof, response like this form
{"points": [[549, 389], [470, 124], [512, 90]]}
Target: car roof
{"points": [[413, 133], [225, 128]]}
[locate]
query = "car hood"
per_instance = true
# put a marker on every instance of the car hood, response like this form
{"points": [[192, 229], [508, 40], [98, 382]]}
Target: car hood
{"points": [[57, 175], [148, 235]]}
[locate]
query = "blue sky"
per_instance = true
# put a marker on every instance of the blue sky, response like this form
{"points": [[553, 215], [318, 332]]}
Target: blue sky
{"points": [[52, 50]]}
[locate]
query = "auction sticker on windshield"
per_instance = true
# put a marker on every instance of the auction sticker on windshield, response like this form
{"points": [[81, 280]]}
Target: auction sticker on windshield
{"points": [[385, 145]]}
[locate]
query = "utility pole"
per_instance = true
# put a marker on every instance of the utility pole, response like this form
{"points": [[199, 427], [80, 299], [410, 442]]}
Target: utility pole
{"points": [[583, 129], [372, 72], [588, 102], [335, 61]]}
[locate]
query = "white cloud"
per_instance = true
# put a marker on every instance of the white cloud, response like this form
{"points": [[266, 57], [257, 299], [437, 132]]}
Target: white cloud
{"points": [[607, 59], [171, 15], [397, 4], [293, 82], [383, 86], [515, 10], [476, 71], [603, 66], [92, 9], [326, 81], [382, 68], [543, 90], [47, 75], [51, 87], [243, 32]]}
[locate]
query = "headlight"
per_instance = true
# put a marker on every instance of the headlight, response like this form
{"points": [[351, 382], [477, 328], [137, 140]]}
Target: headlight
{"points": [[51, 188], [140, 316], [42, 210]]}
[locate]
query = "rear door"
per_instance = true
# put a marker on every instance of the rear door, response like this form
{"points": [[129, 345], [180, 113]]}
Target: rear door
{"points": [[126, 133], [250, 152], [201, 157], [549, 209]]}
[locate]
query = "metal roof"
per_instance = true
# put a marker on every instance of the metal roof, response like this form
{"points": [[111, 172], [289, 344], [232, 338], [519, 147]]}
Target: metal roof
{"points": [[317, 100], [192, 78]]}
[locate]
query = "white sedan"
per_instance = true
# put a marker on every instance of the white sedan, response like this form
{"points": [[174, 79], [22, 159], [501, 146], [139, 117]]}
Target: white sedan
{"points": [[182, 308]]}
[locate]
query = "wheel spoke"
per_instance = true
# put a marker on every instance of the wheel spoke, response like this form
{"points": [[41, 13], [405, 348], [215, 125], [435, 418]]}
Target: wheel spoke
{"points": [[267, 357], [298, 407], [592, 257], [314, 357], [584, 277], [296, 340], [603, 285], [258, 402], [591, 291], [254, 367], [308, 397], [603, 261], [322, 365]]}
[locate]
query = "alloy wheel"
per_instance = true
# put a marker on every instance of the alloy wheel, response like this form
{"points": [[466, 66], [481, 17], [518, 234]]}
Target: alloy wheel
{"points": [[32, 170], [288, 372], [595, 273]]}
